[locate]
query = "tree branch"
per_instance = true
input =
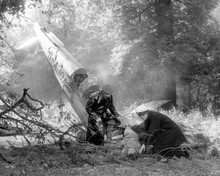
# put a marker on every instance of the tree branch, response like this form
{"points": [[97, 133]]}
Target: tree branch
{"points": [[24, 100], [33, 99], [28, 118], [10, 108], [8, 44], [144, 10]]}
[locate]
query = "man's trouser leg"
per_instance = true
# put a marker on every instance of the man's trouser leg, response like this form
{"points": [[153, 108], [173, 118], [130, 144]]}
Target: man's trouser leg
{"points": [[104, 130], [110, 128]]}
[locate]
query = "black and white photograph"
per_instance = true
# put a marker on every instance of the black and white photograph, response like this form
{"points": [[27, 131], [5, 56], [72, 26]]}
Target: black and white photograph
{"points": [[109, 87]]}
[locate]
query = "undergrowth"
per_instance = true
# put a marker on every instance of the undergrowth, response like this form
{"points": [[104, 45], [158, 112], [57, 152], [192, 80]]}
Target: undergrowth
{"points": [[205, 123], [82, 159]]}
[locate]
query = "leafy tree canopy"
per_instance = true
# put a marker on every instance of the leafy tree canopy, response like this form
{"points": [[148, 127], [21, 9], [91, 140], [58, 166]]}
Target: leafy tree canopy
{"points": [[126, 35]]}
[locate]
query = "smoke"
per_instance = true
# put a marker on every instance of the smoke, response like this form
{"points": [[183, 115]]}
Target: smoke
{"points": [[38, 76], [28, 43], [103, 73]]}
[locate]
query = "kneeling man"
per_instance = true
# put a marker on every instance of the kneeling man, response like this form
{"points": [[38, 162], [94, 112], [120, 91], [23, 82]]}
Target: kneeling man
{"points": [[164, 134]]}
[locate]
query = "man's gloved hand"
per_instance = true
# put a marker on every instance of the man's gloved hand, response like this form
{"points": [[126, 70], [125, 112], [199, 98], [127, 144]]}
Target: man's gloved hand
{"points": [[118, 116], [117, 120], [145, 149], [142, 149]]}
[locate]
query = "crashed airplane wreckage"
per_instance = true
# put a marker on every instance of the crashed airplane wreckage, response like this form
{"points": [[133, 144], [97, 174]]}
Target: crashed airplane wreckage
{"points": [[66, 69]]}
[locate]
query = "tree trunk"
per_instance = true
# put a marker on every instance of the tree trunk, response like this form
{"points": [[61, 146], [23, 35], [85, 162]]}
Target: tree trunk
{"points": [[189, 96], [165, 33], [198, 96], [164, 18]]}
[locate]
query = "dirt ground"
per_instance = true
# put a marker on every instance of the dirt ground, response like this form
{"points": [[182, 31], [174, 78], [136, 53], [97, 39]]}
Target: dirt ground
{"points": [[84, 161]]}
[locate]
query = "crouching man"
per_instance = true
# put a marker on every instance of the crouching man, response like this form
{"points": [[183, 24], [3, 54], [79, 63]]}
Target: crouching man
{"points": [[164, 134], [100, 105]]}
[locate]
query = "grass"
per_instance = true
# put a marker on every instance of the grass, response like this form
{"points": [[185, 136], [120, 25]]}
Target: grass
{"points": [[50, 161], [84, 160]]}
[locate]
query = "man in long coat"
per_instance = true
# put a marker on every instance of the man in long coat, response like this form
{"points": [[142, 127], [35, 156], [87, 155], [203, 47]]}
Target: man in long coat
{"points": [[164, 134]]}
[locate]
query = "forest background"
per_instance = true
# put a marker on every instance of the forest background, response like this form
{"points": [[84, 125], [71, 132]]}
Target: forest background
{"points": [[148, 50]]}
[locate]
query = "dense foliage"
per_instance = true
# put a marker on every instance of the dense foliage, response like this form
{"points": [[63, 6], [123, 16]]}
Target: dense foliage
{"points": [[154, 48], [149, 50], [185, 39]]}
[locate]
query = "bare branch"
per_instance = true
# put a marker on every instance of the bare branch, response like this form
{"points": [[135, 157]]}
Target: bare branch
{"points": [[144, 10], [33, 99], [21, 100], [27, 120], [8, 44], [12, 107], [15, 120]]}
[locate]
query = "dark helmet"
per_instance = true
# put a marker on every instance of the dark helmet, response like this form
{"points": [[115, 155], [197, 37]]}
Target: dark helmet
{"points": [[107, 88], [88, 92], [80, 71]]}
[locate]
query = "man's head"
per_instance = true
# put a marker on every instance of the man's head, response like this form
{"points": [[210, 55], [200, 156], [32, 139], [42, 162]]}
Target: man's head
{"points": [[143, 115], [79, 76], [142, 112], [107, 89], [91, 90]]}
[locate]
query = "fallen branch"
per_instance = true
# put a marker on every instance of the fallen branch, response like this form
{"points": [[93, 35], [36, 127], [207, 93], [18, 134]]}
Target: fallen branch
{"points": [[24, 100], [4, 159], [193, 146], [27, 119], [62, 136]]}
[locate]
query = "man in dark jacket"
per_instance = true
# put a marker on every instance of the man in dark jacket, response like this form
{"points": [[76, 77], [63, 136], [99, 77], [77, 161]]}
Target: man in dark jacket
{"points": [[93, 134], [100, 105], [164, 134]]}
